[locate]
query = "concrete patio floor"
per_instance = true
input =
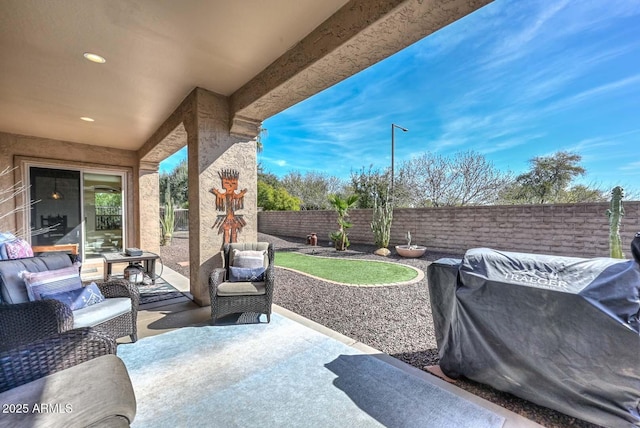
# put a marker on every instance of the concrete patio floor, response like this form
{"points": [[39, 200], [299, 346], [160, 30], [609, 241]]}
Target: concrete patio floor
{"points": [[165, 316]]}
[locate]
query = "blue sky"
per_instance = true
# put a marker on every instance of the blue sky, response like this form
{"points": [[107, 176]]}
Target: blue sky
{"points": [[512, 81]]}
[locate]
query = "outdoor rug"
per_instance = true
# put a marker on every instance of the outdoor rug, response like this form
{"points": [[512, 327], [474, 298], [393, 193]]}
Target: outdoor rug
{"points": [[161, 290], [281, 374]]}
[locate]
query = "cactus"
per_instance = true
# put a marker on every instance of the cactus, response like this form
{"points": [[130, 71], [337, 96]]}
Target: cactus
{"points": [[381, 223], [168, 220], [615, 213]]}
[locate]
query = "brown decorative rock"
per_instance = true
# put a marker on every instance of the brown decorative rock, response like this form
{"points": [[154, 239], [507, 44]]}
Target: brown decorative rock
{"points": [[382, 252]]}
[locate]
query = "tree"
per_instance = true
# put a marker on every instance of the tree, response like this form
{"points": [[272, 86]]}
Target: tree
{"points": [[312, 189], [265, 195], [267, 177], [276, 199], [262, 132], [339, 238], [178, 181], [467, 178], [108, 199], [370, 185], [475, 180], [427, 180], [548, 179], [581, 193]]}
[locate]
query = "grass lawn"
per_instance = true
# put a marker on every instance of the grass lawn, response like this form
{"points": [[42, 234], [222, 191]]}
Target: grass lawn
{"points": [[356, 272]]}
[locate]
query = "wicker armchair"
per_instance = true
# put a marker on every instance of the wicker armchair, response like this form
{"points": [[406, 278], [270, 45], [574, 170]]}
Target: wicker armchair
{"points": [[24, 362], [249, 296]]}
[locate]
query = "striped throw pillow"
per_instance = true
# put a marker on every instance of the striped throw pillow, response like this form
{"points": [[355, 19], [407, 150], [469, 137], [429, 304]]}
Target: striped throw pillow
{"points": [[51, 281]]}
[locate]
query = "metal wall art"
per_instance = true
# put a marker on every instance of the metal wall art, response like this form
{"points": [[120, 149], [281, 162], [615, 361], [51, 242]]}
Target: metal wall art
{"points": [[228, 200]]}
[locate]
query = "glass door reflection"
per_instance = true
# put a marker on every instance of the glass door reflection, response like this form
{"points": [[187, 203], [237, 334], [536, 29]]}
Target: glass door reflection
{"points": [[103, 210]]}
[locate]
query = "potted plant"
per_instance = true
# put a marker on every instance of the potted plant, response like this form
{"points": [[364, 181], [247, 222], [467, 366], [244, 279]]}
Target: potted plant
{"points": [[409, 250], [381, 226], [339, 237]]}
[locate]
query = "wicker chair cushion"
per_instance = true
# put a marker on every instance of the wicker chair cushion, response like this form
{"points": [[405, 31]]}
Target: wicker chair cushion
{"points": [[241, 289], [101, 312], [51, 281]]}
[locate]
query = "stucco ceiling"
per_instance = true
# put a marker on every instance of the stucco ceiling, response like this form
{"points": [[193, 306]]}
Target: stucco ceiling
{"points": [[157, 51]]}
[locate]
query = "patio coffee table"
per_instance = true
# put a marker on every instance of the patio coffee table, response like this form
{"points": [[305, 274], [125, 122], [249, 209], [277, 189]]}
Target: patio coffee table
{"points": [[149, 260]]}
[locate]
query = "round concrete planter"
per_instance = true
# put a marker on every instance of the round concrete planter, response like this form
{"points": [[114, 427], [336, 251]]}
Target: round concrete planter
{"points": [[412, 251]]}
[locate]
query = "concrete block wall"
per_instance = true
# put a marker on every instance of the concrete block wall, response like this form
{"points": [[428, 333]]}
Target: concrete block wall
{"points": [[579, 230]]}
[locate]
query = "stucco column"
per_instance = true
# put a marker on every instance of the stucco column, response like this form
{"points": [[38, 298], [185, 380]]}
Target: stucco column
{"points": [[148, 226], [212, 150]]}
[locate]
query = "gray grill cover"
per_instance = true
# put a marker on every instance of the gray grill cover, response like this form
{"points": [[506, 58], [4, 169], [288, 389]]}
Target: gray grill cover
{"points": [[558, 331]]}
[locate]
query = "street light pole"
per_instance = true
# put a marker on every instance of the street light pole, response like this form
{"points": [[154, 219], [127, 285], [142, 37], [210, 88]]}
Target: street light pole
{"points": [[393, 127]]}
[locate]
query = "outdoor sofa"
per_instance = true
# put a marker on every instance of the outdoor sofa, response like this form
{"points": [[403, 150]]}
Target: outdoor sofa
{"points": [[116, 315]]}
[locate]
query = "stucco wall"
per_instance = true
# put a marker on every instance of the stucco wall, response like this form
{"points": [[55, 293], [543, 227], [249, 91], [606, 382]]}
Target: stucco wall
{"points": [[17, 148], [580, 230]]}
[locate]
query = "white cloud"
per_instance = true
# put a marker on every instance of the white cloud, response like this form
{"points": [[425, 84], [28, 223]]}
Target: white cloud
{"points": [[598, 144], [631, 166], [589, 94], [272, 161]]}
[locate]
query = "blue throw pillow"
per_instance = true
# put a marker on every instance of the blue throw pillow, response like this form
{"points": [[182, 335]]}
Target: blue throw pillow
{"points": [[238, 274], [6, 237], [79, 298]]}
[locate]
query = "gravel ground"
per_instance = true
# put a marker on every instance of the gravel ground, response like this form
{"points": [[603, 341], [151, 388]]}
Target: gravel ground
{"points": [[393, 319]]}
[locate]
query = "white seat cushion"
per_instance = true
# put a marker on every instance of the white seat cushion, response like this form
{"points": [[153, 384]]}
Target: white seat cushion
{"points": [[101, 312], [241, 289]]}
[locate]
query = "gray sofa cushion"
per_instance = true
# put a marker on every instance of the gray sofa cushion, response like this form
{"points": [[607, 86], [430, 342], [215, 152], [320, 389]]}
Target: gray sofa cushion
{"points": [[12, 287], [95, 393]]}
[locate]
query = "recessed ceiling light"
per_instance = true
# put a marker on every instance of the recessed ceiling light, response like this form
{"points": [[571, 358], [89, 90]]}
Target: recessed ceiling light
{"points": [[87, 119], [94, 57]]}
